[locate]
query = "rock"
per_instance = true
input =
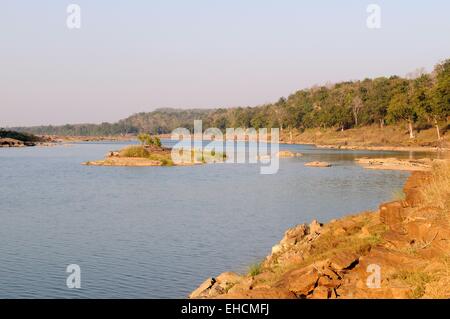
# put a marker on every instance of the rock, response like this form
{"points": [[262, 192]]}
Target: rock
{"points": [[244, 285], [294, 235], [315, 227], [10, 142], [300, 281], [328, 282], [321, 293], [413, 186], [343, 260], [259, 293], [216, 290], [227, 279], [277, 249], [202, 290], [391, 215], [113, 154], [364, 232], [318, 164]]}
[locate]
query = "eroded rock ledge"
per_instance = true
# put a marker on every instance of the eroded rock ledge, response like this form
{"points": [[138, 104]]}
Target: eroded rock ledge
{"points": [[410, 243]]}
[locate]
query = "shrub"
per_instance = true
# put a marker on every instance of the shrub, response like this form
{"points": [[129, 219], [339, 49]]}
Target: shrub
{"points": [[157, 141], [145, 139], [134, 151], [255, 269]]}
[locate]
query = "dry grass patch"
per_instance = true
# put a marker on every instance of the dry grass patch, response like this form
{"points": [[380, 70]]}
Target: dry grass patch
{"points": [[416, 280], [437, 192]]}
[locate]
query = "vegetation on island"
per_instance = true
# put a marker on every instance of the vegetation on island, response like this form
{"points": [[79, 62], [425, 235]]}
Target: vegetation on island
{"points": [[418, 101], [23, 137]]}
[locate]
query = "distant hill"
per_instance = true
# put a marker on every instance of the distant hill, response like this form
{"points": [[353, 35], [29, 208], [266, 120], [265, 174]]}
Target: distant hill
{"points": [[422, 101]]}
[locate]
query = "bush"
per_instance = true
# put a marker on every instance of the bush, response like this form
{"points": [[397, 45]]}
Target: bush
{"points": [[157, 141], [134, 151], [255, 269]]}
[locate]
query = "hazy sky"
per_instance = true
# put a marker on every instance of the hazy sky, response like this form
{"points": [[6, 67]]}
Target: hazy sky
{"points": [[133, 56]]}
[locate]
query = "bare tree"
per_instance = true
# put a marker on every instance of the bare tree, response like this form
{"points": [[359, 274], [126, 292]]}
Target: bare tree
{"points": [[357, 105]]}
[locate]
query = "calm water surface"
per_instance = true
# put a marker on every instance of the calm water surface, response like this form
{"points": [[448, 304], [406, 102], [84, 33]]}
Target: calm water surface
{"points": [[159, 232]]}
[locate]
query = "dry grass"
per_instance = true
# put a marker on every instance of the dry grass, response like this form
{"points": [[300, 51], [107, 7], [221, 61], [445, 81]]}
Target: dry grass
{"points": [[331, 243], [140, 152], [134, 151], [440, 288], [437, 191], [417, 280], [392, 135]]}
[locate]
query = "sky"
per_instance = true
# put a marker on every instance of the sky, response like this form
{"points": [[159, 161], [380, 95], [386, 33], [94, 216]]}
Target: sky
{"points": [[136, 56]]}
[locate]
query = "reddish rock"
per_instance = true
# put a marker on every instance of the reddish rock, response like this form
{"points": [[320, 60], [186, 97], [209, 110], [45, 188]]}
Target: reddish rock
{"points": [[391, 215], [343, 260]]}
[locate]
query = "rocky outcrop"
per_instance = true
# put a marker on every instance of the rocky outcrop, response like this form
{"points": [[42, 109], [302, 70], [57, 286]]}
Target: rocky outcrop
{"points": [[396, 164], [318, 164], [394, 252], [10, 142]]}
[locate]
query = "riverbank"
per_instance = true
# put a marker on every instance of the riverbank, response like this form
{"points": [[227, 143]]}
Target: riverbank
{"points": [[399, 251], [375, 138]]}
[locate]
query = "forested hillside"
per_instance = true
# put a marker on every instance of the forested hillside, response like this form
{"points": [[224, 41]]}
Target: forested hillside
{"points": [[419, 101]]}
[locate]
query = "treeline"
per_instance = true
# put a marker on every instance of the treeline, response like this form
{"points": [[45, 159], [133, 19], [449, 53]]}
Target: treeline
{"points": [[422, 100]]}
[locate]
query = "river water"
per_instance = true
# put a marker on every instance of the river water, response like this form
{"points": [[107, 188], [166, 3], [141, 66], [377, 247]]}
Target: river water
{"points": [[158, 232]]}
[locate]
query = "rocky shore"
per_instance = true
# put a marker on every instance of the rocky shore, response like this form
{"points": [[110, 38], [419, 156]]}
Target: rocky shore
{"points": [[374, 138], [406, 241], [10, 142]]}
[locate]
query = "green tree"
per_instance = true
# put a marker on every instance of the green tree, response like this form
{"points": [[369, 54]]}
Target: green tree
{"points": [[401, 109], [440, 102], [145, 139]]}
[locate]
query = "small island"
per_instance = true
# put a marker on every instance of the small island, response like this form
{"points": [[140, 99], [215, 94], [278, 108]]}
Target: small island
{"points": [[10, 138], [151, 152]]}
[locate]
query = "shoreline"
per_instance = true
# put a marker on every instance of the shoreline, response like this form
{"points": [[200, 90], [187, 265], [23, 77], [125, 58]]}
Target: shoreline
{"points": [[405, 238]]}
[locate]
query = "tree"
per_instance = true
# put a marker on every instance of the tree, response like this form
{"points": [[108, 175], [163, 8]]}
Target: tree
{"points": [[357, 105], [401, 108], [145, 139], [440, 102]]}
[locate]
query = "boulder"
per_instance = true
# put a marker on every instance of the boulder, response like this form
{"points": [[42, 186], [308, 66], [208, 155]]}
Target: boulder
{"points": [[315, 227], [343, 260], [10, 142], [300, 281], [203, 290], [391, 215], [228, 279], [318, 164]]}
